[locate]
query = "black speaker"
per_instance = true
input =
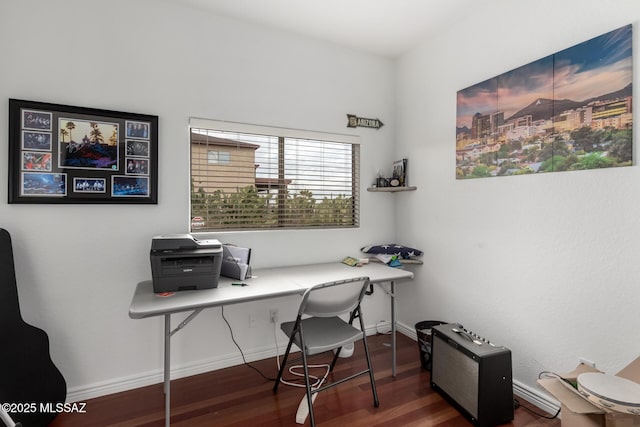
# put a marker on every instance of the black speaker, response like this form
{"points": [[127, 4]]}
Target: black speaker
{"points": [[473, 374]]}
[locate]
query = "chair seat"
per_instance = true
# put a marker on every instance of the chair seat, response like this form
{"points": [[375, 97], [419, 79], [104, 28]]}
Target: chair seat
{"points": [[323, 333]]}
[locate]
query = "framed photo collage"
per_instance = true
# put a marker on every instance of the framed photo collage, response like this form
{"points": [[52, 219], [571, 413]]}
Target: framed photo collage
{"points": [[65, 154]]}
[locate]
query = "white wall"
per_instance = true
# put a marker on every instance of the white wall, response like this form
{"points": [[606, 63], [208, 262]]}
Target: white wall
{"points": [[77, 265], [544, 264]]}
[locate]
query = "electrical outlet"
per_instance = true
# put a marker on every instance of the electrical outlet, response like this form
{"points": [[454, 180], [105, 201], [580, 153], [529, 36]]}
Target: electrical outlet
{"points": [[273, 315], [587, 362]]}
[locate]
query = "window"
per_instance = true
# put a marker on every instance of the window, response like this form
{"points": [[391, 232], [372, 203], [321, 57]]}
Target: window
{"points": [[218, 157], [246, 177]]}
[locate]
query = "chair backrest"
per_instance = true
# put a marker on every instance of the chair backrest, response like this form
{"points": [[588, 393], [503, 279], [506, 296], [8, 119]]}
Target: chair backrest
{"points": [[333, 298]]}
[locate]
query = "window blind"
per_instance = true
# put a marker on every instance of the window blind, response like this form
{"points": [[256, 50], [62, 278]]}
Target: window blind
{"points": [[246, 177]]}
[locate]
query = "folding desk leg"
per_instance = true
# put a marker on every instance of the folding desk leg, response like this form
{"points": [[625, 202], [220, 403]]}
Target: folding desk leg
{"points": [[393, 329], [167, 370]]}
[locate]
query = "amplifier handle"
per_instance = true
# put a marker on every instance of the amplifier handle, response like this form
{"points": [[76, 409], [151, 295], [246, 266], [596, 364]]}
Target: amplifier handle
{"points": [[467, 336]]}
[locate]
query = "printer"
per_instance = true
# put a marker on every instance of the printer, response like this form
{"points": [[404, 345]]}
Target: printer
{"points": [[182, 262]]}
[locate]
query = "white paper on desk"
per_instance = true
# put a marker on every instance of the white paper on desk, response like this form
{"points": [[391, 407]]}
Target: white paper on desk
{"points": [[384, 258]]}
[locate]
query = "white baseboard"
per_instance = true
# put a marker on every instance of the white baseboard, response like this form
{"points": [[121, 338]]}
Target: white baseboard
{"points": [[117, 385], [409, 331], [90, 391]]}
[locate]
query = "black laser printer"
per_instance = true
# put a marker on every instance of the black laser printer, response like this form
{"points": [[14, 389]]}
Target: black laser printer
{"points": [[182, 262]]}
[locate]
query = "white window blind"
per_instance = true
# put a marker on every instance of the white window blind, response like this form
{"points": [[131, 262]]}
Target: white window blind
{"points": [[272, 178]]}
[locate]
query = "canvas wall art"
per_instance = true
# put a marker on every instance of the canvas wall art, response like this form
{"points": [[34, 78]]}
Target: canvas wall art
{"points": [[568, 111]]}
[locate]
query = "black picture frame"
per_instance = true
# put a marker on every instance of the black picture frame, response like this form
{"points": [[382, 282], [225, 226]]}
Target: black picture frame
{"points": [[64, 154]]}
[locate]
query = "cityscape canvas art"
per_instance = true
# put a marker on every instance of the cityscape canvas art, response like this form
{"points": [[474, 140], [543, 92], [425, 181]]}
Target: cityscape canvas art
{"points": [[565, 112]]}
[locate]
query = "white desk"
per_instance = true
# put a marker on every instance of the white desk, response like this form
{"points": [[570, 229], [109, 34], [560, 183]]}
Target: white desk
{"points": [[266, 283]]}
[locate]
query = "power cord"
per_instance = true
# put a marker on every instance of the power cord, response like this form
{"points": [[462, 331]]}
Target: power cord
{"points": [[543, 374], [317, 381], [549, 374], [303, 407], [241, 353], [517, 404]]}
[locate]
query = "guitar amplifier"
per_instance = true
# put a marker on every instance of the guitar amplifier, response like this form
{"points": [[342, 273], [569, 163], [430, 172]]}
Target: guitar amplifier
{"points": [[473, 374]]}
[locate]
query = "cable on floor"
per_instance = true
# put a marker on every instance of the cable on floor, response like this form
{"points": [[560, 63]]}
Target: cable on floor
{"points": [[517, 404], [241, 352], [317, 381], [543, 374]]}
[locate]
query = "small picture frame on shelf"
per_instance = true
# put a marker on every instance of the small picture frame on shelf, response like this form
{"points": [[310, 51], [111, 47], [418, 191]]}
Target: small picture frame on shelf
{"points": [[399, 174]]}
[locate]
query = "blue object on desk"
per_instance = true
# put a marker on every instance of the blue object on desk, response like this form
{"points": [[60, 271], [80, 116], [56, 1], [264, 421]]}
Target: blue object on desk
{"points": [[395, 262]]}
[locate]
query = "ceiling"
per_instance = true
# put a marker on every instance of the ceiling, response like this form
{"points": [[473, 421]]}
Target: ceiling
{"points": [[383, 27]]}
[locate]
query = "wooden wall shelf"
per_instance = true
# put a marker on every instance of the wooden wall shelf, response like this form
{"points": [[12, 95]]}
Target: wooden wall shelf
{"points": [[391, 189]]}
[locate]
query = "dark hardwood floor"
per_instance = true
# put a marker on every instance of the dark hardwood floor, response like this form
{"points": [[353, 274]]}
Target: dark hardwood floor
{"points": [[239, 396]]}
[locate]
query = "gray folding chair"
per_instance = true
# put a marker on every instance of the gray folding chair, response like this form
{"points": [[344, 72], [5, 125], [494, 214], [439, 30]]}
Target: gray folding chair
{"points": [[318, 328]]}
